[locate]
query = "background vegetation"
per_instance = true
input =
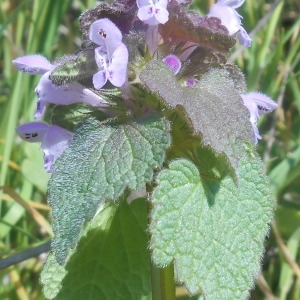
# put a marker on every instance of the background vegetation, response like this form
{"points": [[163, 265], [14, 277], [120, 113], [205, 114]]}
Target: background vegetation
{"points": [[271, 65]]}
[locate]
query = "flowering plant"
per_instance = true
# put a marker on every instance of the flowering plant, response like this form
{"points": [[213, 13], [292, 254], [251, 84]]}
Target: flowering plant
{"points": [[149, 135]]}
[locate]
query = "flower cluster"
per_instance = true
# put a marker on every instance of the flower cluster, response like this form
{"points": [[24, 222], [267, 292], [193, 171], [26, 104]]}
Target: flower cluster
{"points": [[46, 93], [122, 39]]}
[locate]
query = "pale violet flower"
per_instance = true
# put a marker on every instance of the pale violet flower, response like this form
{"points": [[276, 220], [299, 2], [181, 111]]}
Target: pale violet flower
{"points": [[189, 82], [173, 62], [225, 10], [153, 12], [33, 64], [112, 68], [258, 104], [47, 92], [54, 140], [105, 34], [111, 56]]}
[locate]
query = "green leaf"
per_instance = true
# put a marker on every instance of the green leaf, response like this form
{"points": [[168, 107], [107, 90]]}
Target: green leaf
{"points": [[213, 106], [70, 116], [112, 260], [52, 276], [100, 163], [212, 230], [81, 68]]}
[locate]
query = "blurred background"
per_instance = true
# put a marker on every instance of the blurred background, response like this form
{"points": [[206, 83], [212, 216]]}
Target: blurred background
{"points": [[271, 65]]}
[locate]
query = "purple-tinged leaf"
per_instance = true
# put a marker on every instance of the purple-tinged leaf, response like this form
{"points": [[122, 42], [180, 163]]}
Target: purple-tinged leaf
{"points": [[213, 107], [182, 27]]}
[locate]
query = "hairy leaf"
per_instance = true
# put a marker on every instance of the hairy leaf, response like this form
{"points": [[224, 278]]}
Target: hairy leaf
{"points": [[213, 107], [112, 260], [187, 27], [212, 230], [100, 163], [80, 69], [52, 276]]}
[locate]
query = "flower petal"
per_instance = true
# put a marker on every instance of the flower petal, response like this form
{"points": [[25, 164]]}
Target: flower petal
{"points": [[257, 136], [141, 3], [263, 103], [228, 16], [99, 79], [40, 109], [161, 14], [33, 64], [244, 38], [145, 13], [173, 62], [189, 82], [232, 3], [48, 162], [117, 70], [105, 32], [100, 58], [54, 143], [66, 94], [33, 131]]}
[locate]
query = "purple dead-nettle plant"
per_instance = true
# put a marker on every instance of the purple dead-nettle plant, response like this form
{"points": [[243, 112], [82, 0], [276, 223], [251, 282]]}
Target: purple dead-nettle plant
{"points": [[150, 108]]}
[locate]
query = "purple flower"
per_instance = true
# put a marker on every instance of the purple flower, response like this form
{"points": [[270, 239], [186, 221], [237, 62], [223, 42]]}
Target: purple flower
{"points": [[113, 69], [111, 56], [33, 64], [54, 140], [153, 12], [173, 62], [231, 19], [189, 82], [47, 92], [106, 34], [258, 104]]}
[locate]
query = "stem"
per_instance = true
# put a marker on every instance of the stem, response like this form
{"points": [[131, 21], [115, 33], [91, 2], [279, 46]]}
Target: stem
{"points": [[162, 281], [152, 38]]}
